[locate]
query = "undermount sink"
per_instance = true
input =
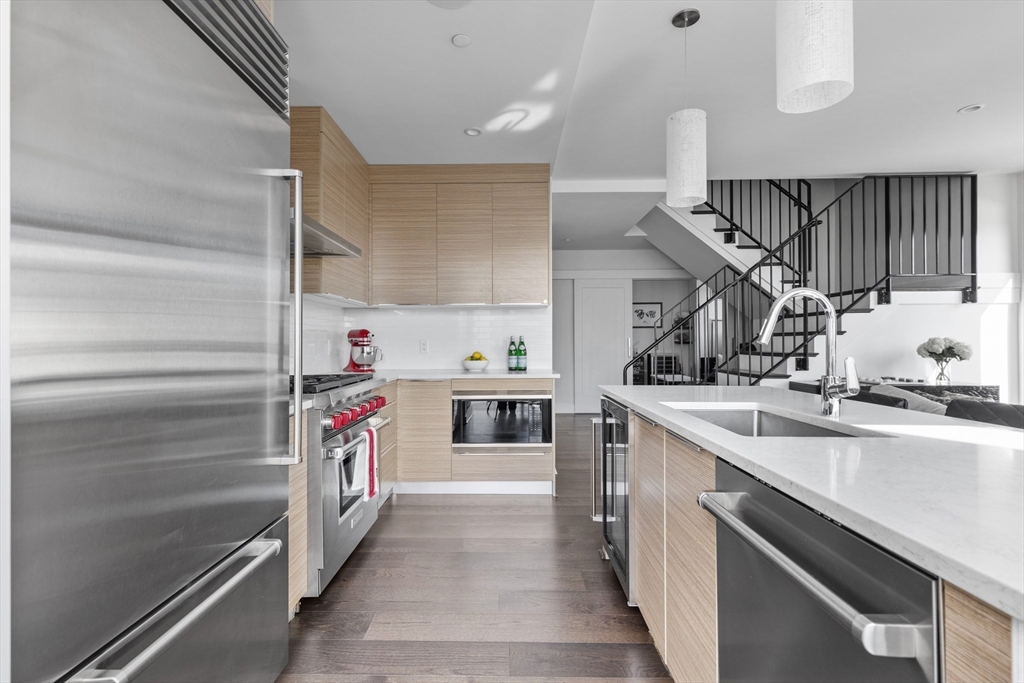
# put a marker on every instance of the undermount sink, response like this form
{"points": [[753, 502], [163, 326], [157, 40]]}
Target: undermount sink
{"points": [[763, 423]]}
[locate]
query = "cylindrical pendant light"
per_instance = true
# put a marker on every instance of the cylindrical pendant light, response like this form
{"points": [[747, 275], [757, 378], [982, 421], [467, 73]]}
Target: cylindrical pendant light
{"points": [[686, 169], [813, 54]]}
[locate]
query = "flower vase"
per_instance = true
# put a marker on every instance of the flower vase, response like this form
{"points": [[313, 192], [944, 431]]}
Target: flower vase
{"points": [[943, 378]]}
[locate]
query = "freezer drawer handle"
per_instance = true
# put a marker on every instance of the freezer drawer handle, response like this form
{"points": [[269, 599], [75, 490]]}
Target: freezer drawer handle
{"points": [[264, 550], [882, 635]]}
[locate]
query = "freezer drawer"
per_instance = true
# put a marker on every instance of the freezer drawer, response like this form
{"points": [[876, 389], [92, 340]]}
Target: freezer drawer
{"points": [[231, 624]]}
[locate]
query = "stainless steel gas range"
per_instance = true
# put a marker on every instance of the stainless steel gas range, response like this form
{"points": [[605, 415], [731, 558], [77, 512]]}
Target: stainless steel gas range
{"points": [[343, 472]]}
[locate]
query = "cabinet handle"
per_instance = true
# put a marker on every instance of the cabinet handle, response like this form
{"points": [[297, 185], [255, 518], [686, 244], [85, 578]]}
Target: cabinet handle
{"points": [[647, 420], [881, 635], [683, 440]]}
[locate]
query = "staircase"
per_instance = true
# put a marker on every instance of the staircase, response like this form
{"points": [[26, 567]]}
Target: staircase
{"points": [[882, 234]]}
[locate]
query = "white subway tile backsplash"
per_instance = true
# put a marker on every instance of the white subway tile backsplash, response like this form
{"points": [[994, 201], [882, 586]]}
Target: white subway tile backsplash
{"points": [[452, 333]]}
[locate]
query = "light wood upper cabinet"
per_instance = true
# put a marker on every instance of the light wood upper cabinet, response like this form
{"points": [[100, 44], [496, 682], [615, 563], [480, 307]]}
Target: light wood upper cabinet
{"points": [[977, 639], [404, 220], [336, 193], [464, 243], [691, 593], [522, 243], [488, 228], [424, 430], [649, 498]]}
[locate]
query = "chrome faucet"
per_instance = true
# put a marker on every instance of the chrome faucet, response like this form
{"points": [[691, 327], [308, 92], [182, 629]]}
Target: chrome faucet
{"points": [[832, 387]]}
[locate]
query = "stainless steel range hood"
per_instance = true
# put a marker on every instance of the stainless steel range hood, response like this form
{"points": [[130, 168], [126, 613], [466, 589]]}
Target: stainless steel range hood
{"points": [[320, 241]]}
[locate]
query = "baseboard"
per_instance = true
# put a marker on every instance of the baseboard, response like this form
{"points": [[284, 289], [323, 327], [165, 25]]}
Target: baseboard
{"points": [[475, 487]]}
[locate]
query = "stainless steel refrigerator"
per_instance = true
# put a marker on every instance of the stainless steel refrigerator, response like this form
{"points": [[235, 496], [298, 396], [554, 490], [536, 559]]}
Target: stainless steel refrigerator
{"points": [[149, 341]]}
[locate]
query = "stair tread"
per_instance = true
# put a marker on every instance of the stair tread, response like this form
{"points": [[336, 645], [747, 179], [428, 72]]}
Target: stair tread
{"points": [[730, 229], [747, 246], [800, 333], [744, 373], [777, 354]]}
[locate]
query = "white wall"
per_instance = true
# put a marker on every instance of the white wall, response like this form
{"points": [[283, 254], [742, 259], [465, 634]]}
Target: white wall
{"points": [[666, 292], [884, 341], [562, 333], [452, 333], [649, 264]]}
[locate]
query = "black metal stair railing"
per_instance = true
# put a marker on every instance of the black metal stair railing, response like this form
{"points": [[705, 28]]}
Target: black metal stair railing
{"points": [[877, 231], [670, 358]]}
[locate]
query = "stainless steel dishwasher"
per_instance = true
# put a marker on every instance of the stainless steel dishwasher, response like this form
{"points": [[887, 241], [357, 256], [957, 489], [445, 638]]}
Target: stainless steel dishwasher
{"points": [[800, 598]]}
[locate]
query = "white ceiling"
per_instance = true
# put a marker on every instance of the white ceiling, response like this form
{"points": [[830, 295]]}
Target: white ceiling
{"points": [[587, 86], [389, 75]]}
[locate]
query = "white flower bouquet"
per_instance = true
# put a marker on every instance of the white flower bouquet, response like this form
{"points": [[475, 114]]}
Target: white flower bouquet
{"points": [[943, 350]]}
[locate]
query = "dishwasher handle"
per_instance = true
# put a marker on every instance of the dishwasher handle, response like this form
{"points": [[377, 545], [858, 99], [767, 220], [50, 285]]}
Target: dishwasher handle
{"points": [[881, 635]]}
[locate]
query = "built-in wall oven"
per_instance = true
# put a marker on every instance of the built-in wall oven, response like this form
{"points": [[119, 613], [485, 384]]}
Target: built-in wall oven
{"points": [[516, 417]]}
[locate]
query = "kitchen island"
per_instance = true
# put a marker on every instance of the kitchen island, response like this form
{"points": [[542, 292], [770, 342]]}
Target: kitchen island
{"points": [[943, 494]]}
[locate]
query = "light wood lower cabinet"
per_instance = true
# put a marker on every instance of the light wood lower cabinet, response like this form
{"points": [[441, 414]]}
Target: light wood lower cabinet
{"points": [[691, 590], [297, 519], [977, 639], [649, 506], [502, 465], [424, 430], [388, 447]]}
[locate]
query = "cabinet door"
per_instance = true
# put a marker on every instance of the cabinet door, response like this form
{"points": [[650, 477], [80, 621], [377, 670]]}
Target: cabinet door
{"points": [[977, 639], [424, 430], [345, 201], [691, 638], [464, 244], [404, 236], [297, 518], [522, 243], [649, 499], [388, 436]]}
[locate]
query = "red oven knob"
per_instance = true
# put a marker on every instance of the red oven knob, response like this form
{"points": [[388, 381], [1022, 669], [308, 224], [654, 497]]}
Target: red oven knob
{"points": [[339, 420], [374, 404], [364, 408], [353, 414], [381, 402]]}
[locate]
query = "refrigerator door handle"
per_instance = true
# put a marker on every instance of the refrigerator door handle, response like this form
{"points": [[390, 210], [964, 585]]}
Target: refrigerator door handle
{"points": [[294, 455], [263, 550]]}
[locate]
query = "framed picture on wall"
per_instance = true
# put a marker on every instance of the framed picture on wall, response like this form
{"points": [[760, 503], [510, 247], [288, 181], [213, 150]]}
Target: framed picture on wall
{"points": [[647, 314]]}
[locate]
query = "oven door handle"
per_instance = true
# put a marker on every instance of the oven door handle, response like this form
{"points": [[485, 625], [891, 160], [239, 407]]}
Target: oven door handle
{"points": [[881, 635], [493, 397]]}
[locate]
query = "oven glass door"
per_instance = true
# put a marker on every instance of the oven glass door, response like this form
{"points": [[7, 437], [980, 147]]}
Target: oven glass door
{"points": [[349, 463], [501, 421]]}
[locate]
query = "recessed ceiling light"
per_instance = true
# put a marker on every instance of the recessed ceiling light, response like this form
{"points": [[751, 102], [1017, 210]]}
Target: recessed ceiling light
{"points": [[970, 108], [450, 4], [460, 40], [472, 132], [568, 239]]}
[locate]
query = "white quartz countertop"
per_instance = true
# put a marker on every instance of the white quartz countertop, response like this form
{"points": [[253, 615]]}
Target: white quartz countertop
{"points": [[390, 375], [945, 494]]}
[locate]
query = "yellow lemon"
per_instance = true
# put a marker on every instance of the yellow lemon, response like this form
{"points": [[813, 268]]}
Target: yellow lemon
{"points": [[477, 355]]}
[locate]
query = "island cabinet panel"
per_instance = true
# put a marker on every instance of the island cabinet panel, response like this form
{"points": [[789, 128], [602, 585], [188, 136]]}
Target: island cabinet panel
{"points": [[977, 639], [649, 499], [404, 237], [464, 244], [691, 640], [424, 430], [522, 243], [297, 518], [336, 193]]}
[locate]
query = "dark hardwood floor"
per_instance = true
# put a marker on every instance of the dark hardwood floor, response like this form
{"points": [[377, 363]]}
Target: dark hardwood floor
{"points": [[479, 589]]}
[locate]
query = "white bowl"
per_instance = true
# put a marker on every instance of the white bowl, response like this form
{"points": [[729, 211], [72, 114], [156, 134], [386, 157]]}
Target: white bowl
{"points": [[475, 365]]}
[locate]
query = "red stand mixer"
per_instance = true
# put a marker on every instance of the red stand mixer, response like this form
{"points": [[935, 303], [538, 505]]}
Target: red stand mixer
{"points": [[363, 354]]}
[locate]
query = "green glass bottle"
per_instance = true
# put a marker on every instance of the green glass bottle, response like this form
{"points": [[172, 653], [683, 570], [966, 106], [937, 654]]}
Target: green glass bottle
{"points": [[513, 360], [521, 355]]}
